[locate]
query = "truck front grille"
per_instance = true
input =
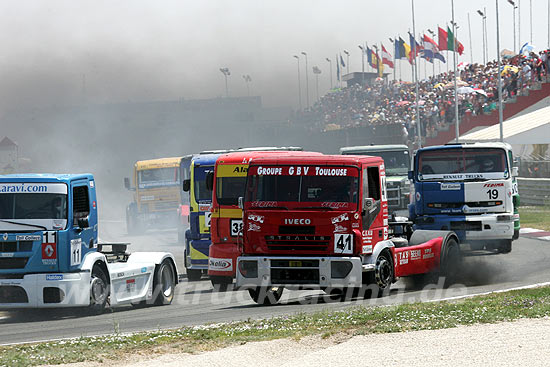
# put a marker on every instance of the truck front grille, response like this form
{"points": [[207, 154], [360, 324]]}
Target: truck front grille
{"points": [[166, 205], [295, 276], [13, 262], [13, 294], [297, 243], [15, 246], [465, 226]]}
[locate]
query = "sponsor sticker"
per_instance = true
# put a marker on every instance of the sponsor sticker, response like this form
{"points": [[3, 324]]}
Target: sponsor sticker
{"points": [[7, 254], [144, 269], [220, 264], [367, 249], [253, 227], [450, 186], [130, 285], [54, 276], [415, 254], [340, 218], [28, 237], [49, 253], [339, 228], [204, 207]]}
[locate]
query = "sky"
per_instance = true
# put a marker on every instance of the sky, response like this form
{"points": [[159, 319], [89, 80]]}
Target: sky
{"points": [[66, 52]]}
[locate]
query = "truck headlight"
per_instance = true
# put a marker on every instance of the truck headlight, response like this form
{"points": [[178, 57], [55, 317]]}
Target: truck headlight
{"points": [[505, 218], [248, 268], [340, 269]]}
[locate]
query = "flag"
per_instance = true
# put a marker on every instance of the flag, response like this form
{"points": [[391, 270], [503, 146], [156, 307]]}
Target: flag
{"points": [[342, 61], [386, 57], [402, 49], [442, 45], [406, 50], [415, 48], [450, 43], [430, 50], [374, 59], [396, 49], [368, 51], [337, 69]]}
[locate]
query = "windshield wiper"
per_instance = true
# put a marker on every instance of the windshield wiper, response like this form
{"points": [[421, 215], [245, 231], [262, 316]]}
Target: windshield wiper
{"points": [[315, 207], [24, 224]]}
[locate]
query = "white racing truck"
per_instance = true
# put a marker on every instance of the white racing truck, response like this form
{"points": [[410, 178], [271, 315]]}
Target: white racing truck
{"points": [[50, 255]]}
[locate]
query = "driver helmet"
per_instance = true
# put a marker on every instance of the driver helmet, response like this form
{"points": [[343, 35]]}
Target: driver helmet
{"points": [[488, 165]]}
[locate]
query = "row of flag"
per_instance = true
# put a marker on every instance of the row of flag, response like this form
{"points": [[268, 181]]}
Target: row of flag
{"points": [[427, 49]]}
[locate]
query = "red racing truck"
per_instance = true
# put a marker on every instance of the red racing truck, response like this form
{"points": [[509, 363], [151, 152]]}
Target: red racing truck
{"points": [[228, 183], [321, 222]]}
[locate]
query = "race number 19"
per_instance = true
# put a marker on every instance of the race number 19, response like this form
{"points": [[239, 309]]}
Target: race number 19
{"points": [[493, 194]]}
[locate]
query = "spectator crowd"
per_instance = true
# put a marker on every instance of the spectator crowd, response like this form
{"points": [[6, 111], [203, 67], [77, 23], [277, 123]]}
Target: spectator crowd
{"points": [[382, 102]]}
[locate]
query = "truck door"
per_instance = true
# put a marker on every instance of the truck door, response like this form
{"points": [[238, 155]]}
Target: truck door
{"points": [[373, 216], [82, 230]]}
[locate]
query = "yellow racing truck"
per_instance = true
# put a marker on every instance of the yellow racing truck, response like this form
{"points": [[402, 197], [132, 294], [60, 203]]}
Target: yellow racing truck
{"points": [[157, 194]]}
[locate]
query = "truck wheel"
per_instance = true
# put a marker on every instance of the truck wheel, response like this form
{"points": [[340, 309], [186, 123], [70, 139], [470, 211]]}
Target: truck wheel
{"points": [[266, 295], [193, 275], [382, 276], [450, 264], [99, 289], [505, 246], [164, 283], [221, 283]]}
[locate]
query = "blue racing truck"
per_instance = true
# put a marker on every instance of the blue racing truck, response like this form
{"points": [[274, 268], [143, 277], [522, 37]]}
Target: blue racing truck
{"points": [[469, 189], [50, 255]]}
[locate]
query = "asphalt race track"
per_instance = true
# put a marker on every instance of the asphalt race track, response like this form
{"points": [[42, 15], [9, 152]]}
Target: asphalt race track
{"points": [[195, 302]]}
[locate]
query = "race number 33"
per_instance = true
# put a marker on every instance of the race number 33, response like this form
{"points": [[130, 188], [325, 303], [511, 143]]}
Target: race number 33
{"points": [[343, 243], [236, 227]]}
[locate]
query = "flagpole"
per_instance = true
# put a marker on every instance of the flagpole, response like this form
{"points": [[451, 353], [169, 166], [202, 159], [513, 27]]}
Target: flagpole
{"points": [[418, 125], [470, 32], [454, 62], [499, 79]]}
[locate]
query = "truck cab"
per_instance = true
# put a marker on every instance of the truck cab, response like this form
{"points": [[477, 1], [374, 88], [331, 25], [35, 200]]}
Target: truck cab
{"points": [[469, 189], [197, 236], [397, 162], [49, 248], [321, 221], [156, 194], [228, 185]]}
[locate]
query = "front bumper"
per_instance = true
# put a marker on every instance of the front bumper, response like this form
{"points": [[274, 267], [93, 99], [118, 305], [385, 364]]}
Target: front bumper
{"points": [[471, 227], [46, 291], [307, 272], [222, 259]]}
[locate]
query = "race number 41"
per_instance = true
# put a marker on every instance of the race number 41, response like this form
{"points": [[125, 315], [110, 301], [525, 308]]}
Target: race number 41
{"points": [[343, 243]]}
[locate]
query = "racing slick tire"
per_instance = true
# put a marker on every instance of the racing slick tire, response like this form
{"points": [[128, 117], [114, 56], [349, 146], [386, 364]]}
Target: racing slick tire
{"points": [[221, 283], [164, 283], [99, 289], [450, 261], [505, 246], [193, 275], [266, 295]]}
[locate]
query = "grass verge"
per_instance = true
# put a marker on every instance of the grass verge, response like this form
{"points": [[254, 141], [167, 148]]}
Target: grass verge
{"points": [[535, 217], [509, 306]]}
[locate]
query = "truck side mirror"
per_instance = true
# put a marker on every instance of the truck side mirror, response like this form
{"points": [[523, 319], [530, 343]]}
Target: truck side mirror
{"points": [[186, 185], [368, 204], [410, 174], [127, 183], [209, 180], [241, 202], [83, 222], [515, 171]]}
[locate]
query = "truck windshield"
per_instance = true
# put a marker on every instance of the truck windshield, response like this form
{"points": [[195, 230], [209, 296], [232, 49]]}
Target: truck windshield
{"points": [[168, 176], [462, 164], [229, 189], [44, 209], [323, 187], [199, 178], [397, 162]]}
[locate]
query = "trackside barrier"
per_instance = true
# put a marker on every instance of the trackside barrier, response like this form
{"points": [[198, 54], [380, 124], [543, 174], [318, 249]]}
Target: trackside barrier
{"points": [[534, 191]]}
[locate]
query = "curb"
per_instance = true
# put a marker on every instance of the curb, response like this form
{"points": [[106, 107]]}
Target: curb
{"points": [[534, 233]]}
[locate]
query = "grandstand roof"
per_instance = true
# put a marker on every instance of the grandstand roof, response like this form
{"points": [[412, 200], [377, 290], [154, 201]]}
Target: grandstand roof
{"points": [[531, 128]]}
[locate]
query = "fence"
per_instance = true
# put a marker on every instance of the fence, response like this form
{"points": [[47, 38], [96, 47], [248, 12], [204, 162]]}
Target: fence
{"points": [[534, 191]]}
